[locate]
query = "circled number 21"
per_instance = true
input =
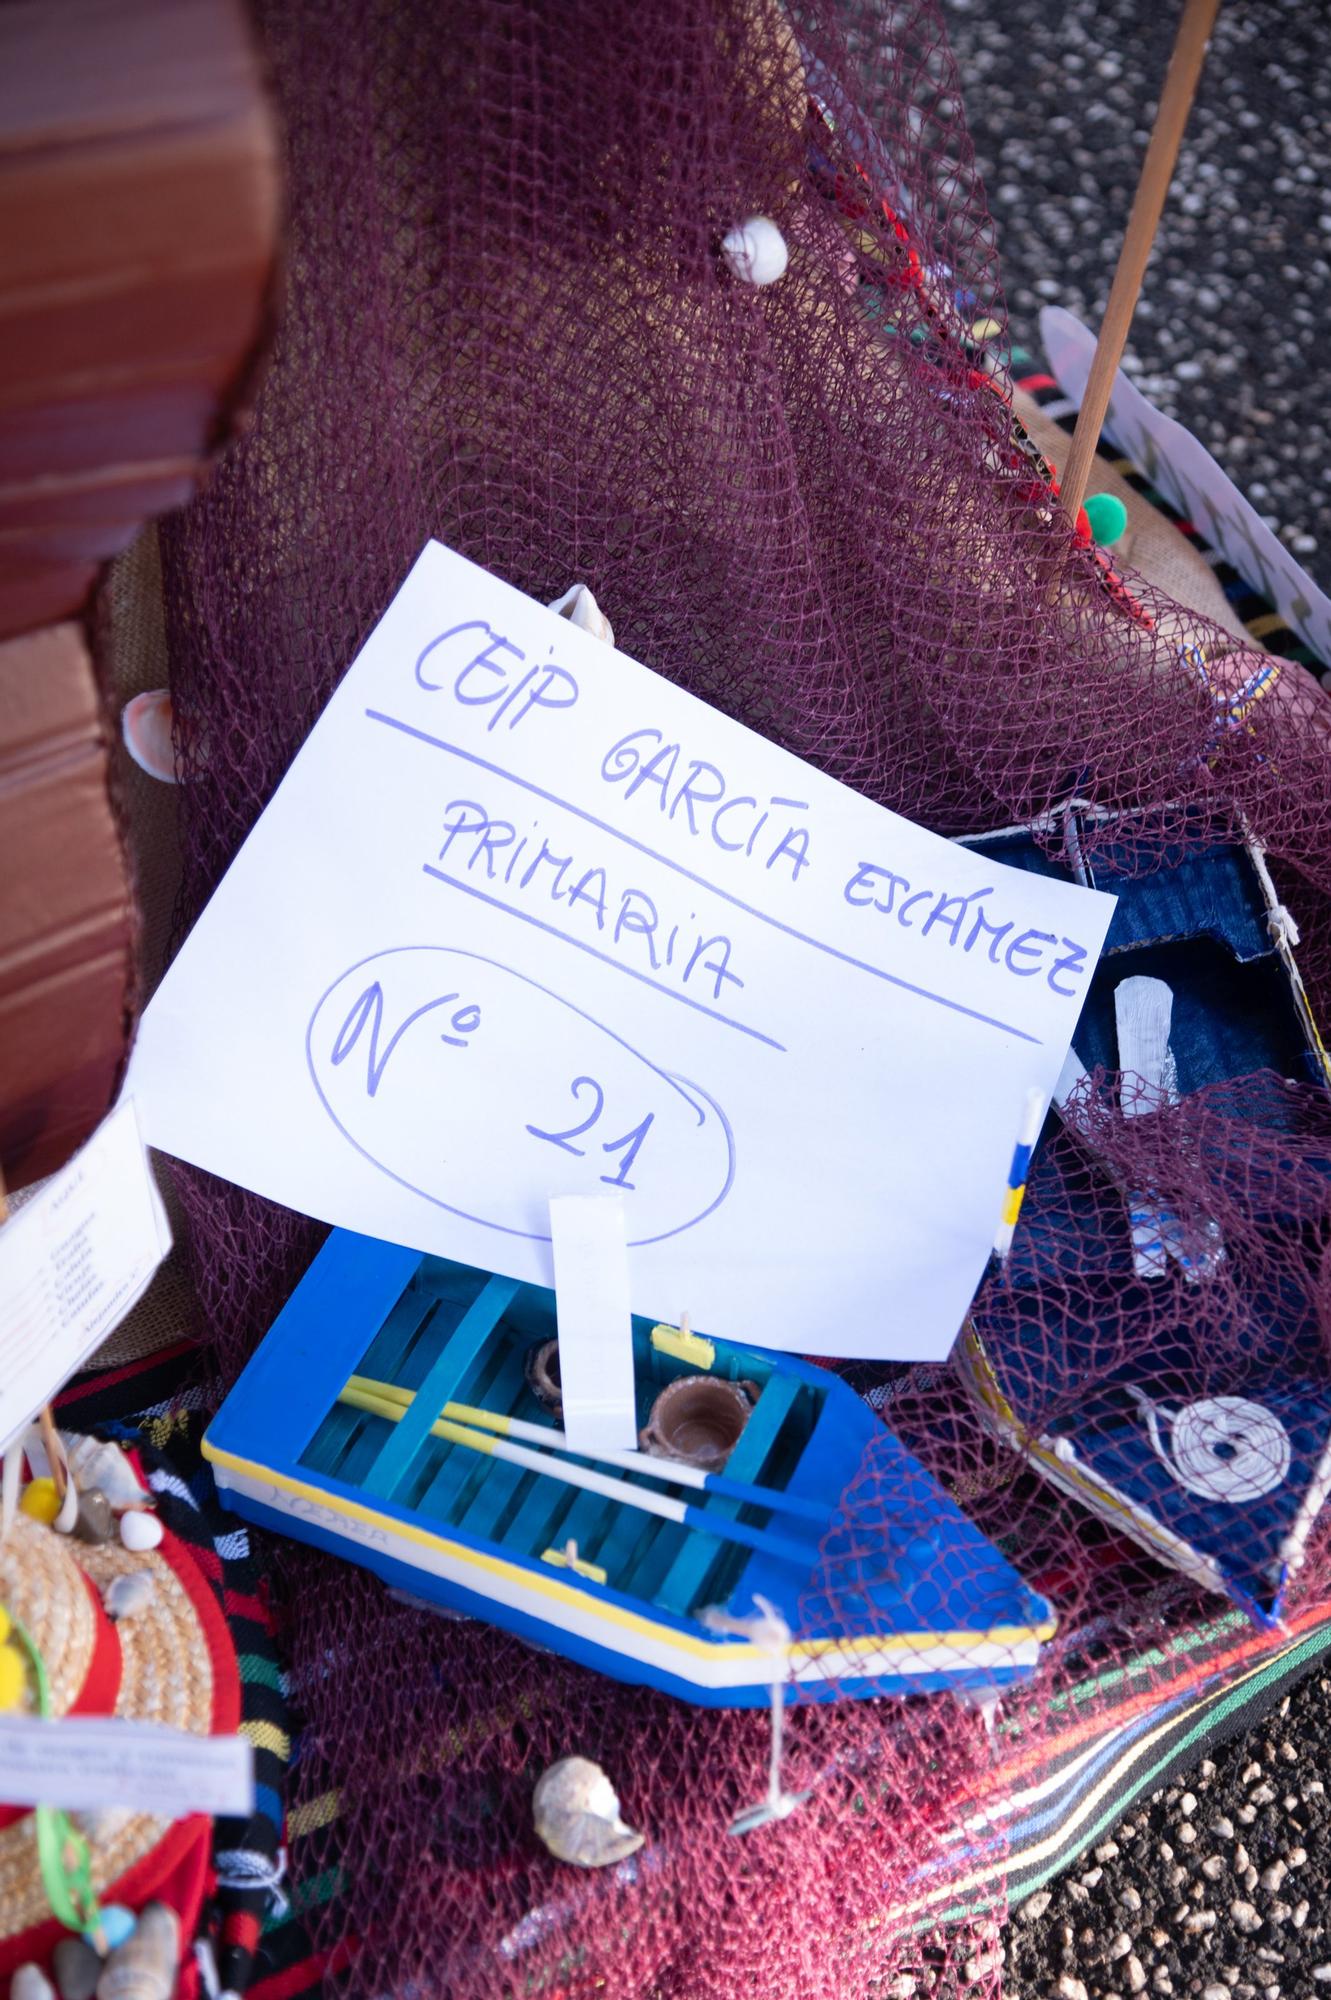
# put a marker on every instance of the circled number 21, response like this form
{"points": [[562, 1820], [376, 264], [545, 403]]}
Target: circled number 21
{"points": [[586, 1089]]}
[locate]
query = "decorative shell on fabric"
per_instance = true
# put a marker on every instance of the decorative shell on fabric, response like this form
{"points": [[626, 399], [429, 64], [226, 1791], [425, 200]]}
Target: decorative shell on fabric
{"points": [[576, 1810], [129, 1592], [756, 251], [30, 1983], [96, 1463], [144, 1967], [580, 608], [145, 725]]}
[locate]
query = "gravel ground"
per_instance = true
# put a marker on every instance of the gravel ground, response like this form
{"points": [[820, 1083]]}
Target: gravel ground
{"points": [[1218, 1887], [1221, 1884], [1230, 333]]}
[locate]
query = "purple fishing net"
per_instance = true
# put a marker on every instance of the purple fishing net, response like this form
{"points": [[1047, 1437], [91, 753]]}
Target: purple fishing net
{"points": [[509, 325]]}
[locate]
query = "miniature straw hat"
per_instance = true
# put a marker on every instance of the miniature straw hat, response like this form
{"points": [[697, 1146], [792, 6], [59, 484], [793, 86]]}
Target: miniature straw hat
{"points": [[152, 1664]]}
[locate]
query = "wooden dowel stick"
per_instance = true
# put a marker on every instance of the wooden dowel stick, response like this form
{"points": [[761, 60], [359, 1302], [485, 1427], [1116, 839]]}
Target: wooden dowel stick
{"points": [[1185, 67]]}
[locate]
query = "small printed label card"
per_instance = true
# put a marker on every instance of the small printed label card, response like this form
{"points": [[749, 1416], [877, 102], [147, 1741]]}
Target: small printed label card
{"points": [[73, 1260]]}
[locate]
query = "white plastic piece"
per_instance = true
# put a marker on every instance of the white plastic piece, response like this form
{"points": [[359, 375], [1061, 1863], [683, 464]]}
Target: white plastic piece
{"points": [[756, 251], [1143, 1009]]}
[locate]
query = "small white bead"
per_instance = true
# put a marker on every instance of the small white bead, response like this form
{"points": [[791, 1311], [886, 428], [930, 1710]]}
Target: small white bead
{"points": [[755, 251], [140, 1531]]}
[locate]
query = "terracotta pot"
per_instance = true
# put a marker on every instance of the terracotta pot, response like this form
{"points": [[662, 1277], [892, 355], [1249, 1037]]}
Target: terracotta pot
{"points": [[699, 1419], [541, 1369]]}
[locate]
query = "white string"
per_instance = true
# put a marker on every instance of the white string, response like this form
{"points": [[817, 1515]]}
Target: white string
{"points": [[769, 1632]]}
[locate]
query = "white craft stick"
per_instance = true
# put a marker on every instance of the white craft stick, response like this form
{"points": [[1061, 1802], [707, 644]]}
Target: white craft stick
{"points": [[1143, 1010], [594, 1320]]}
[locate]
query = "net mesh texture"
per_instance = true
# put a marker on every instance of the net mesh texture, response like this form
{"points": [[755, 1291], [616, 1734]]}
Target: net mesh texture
{"points": [[508, 325]]}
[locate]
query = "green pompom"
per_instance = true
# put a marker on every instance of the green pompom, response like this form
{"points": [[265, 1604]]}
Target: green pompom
{"points": [[1108, 517]]}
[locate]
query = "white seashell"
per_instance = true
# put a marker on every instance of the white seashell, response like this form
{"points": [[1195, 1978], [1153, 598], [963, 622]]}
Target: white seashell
{"points": [[126, 1594], [30, 1983], [145, 725], [144, 1967], [140, 1532], [756, 251], [576, 1810], [93, 1462], [580, 608]]}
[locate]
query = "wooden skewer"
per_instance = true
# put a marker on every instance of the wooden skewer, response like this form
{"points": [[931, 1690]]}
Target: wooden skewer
{"points": [[804, 1554], [1185, 67], [672, 1471]]}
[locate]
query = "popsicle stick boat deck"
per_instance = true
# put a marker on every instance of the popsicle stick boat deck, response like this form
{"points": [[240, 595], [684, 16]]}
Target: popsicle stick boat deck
{"points": [[612, 1587]]}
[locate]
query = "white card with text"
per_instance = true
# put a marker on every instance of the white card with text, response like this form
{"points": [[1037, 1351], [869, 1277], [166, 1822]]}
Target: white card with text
{"points": [[525, 920], [87, 1763], [73, 1260]]}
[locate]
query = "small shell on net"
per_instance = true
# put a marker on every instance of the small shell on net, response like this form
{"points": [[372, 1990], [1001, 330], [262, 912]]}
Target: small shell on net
{"points": [[576, 1811], [129, 1592], [756, 251], [94, 1462], [580, 608], [144, 1967], [145, 725]]}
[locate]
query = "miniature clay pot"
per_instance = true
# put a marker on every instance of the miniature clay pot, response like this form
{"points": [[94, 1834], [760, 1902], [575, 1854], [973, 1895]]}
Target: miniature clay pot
{"points": [[542, 1371], [699, 1419]]}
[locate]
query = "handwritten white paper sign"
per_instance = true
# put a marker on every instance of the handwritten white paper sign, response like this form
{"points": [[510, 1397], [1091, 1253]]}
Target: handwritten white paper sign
{"points": [[86, 1763], [73, 1260], [1181, 468], [524, 920]]}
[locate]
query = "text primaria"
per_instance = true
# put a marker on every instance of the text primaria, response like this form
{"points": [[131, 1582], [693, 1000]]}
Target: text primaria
{"points": [[628, 920]]}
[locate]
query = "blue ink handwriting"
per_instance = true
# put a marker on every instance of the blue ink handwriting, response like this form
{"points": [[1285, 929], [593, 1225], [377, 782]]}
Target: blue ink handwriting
{"points": [[736, 821], [961, 920], [481, 677]]}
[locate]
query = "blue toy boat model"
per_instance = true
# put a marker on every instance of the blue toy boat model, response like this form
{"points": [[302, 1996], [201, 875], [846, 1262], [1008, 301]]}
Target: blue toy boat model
{"points": [[911, 1600], [1218, 1465]]}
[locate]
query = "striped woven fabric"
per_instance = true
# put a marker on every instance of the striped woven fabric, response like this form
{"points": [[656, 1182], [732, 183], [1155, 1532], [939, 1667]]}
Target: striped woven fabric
{"points": [[1261, 621], [151, 1404]]}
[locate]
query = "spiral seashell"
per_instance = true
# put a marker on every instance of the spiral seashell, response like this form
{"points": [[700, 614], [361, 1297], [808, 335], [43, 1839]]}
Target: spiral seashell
{"points": [[576, 1811], [94, 1462], [144, 1967]]}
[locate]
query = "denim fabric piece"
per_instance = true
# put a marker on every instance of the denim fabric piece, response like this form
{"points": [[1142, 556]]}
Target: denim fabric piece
{"points": [[1214, 893]]}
